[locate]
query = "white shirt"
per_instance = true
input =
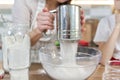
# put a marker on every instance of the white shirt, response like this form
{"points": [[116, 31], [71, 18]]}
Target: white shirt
{"points": [[104, 30], [24, 11]]}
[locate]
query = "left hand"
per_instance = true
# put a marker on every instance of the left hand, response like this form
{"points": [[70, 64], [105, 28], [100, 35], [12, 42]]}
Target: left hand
{"points": [[83, 29]]}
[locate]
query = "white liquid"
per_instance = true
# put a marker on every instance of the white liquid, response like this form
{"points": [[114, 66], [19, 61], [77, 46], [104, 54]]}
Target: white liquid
{"points": [[19, 74], [6, 42], [16, 52]]}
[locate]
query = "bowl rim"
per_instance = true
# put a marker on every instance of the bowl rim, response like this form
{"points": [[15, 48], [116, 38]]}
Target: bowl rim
{"points": [[59, 65]]}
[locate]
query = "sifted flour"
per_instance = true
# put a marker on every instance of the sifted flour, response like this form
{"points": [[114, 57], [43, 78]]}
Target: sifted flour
{"points": [[69, 70], [68, 52]]}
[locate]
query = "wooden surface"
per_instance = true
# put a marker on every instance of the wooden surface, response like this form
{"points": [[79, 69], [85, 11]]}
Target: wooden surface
{"points": [[38, 73], [97, 75]]}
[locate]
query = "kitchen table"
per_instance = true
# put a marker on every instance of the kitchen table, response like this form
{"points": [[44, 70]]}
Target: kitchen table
{"points": [[37, 73], [97, 75]]}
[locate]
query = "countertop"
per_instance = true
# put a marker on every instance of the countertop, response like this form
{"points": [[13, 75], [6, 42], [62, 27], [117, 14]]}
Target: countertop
{"points": [[37, 73], [97, 75]]}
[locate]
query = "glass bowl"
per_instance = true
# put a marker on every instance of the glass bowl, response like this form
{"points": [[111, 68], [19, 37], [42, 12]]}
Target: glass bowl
{"points": [[86, 61]]}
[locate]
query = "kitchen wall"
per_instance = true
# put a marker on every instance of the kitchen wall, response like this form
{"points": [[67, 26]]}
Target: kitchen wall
{"points": [[93, 13]]}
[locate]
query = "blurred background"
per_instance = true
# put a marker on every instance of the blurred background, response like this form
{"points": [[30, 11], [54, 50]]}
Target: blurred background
{"points": [[94, 10]]}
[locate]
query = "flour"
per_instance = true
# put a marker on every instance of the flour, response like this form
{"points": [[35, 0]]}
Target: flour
{"points": [[62, 72], [68, 52], [68, 69]]}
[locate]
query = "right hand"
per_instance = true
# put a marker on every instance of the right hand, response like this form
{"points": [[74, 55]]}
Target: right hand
{"points": [[45, 20]]}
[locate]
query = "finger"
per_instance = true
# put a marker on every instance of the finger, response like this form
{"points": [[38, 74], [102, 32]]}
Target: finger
{"points": [[45, 23], [45, 18], [48, 13], [81, 11], [82, 17], [45, 10], [45, 27], [82, 22], [44, 14], [48, 27], [83, 29]]}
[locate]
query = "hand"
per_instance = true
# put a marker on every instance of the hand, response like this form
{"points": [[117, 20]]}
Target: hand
{"points": [[45, 20], [82, 21]]}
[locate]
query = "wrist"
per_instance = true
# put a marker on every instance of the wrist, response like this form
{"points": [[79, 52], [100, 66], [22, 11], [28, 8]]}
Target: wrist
{"points": [[36, 30]]}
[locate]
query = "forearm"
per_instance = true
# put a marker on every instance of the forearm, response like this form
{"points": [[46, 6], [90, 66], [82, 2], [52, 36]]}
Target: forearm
{"points": [[35, 35], [108, 47]]}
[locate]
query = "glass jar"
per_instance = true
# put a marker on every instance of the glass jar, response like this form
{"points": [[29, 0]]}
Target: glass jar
{"points": [[16, 47], [112, 70]]}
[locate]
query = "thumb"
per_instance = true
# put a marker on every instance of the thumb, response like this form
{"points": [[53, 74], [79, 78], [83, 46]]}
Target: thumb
{"points": [[45, 9]]}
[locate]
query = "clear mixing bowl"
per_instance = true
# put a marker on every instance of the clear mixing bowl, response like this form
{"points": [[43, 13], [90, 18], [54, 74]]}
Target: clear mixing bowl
{"points": [[86, 61]]}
